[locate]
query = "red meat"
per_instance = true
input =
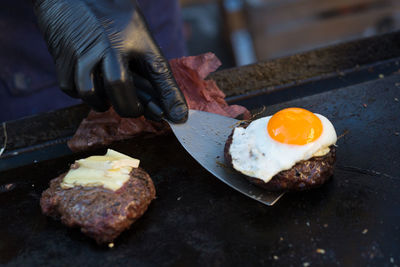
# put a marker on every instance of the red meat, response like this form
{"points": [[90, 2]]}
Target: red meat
{"points": [[190, 73]]}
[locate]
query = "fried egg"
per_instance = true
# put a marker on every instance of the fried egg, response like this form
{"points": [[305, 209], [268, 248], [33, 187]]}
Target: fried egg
{"points": [[276, 143]]}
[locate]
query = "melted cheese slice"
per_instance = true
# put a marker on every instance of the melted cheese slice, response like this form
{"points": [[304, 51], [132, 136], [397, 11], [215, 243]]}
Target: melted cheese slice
{"points": [[110, 171]]}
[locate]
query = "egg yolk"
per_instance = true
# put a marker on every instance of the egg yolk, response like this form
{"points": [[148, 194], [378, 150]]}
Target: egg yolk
{"points": [[294, 126]]}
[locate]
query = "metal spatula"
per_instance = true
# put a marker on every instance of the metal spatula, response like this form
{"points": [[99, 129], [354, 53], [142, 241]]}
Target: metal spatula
{"points": [[203, 136]]}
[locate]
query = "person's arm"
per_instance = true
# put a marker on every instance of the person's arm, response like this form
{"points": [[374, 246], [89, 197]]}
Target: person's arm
{"points": [[99, 46]]}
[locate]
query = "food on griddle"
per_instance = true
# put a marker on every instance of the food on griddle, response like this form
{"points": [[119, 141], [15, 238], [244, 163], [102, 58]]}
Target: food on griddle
{"points": [[292, 150], [201, 94], [100, 129], [102, 195]]}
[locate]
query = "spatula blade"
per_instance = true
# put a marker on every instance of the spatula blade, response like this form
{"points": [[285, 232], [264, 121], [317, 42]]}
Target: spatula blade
{"points": [[203, 136]]}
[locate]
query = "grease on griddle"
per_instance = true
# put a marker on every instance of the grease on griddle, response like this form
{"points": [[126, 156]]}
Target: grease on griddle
{"points": [[345, 132]]}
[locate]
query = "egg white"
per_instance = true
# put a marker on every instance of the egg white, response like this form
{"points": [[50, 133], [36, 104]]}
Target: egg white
{"points": [[256, 154]]}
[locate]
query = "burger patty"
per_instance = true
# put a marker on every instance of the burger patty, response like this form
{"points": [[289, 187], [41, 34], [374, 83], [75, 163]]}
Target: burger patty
{"points": [[304, 175], [100, 213]]}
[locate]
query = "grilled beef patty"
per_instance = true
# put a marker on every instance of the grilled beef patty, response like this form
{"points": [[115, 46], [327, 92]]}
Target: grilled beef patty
{"points": [[304, 175], [101, 213]]}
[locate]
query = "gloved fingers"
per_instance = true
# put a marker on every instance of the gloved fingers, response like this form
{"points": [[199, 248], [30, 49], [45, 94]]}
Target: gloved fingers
{"points": [[152, 109], [85, 82], [148, 97], [120, 87], [153, 66], [142, 84], [160, 76], [100, 87], [66, 80]]}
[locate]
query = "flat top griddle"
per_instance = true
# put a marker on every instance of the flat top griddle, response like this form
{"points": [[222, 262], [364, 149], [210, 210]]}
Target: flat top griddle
{"points": [[198, 220]]}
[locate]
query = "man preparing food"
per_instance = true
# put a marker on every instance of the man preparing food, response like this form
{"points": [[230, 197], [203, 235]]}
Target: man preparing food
{"points": [[98, 48]]}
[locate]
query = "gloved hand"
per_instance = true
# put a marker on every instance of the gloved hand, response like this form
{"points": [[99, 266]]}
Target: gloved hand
{"points": [[98, 45]]}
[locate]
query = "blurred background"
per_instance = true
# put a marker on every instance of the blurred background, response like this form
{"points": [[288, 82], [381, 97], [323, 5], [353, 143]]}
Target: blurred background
{"points": [[241, 32]]}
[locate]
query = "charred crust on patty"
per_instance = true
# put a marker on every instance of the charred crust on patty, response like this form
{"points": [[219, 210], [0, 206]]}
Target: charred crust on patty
{"points": [[304, 175], [100, 213]]}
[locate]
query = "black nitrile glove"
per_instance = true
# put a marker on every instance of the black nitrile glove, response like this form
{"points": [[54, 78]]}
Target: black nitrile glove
{"points": [[98, 45]]}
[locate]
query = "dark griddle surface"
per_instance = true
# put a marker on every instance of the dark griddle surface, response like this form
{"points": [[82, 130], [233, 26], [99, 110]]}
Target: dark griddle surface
{"points": [[197, 220]]}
